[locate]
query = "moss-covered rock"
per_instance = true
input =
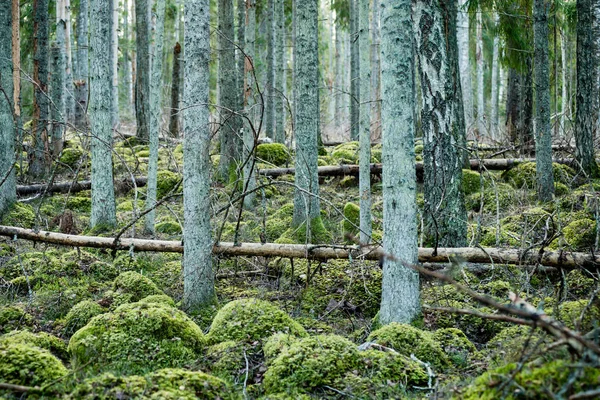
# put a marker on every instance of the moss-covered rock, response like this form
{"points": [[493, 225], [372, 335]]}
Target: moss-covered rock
{"points": [[580, 234], [500, 195], [579, 314], [311, 362], [471, 182], [407, 340], [524, 175], [19, 214], [159, 299], [273, 153], [169, 226], [81, 314], [345, 153], [13, 317], [459, 349], [130, 287], [508, 345], [351, 219], [70, 156], [579, 283], [275, 344], [27, 365], [318, 233], [79, 203], [250, 320], [166, 182], [137, 337], [41, 339], [169, 278]]}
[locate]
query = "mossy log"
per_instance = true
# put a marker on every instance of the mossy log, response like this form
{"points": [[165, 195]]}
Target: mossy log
{"points": [[350, 169], [558, 259], [74, 187]]}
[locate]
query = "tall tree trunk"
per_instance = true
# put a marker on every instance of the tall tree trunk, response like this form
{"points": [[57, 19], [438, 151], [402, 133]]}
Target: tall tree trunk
{"points": [[249, 102], [39, 157], [8, 194], [513, 105], [375, 74], [338, 75], [142, 70], [198, 277], [354, 72], [269, 84], [57, 83], [495, 70], [228, 97], [176, 79], [480, 98], [465, 65], [400, 286], [103, 194], [543, 134], [306, 90], [126, 59], [586, 89], [114, 61], [279, 71], [82, 78], [16, 68], [156, 69], [70, 101], [564, 99], [445, 212], [364, 67]]}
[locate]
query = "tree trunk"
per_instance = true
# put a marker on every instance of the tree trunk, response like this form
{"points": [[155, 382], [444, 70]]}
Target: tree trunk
{"points": [[16, 77], [495, 70], [156, 69], [70, 101], [198, 282], [7, 126], [175, 82], [127, 60], [465, 66], [103, 194], [375, 75], [586, 90], [249, 103], [513, 106], [543, 134], [564, 99], [306, 90], [338, 76], [400, 287], [269, 84], [57, 92], [279, 71], [364, 68], [354, 73], [114, 61], [81, 82], [445, 212], [526, 123], [480, 89], [39, 157], [142, 70]]}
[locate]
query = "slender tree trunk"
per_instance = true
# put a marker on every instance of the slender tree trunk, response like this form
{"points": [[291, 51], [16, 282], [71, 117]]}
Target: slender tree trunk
{"points": [[39, 157], [81, 82], [306, 91], [70, 101], [364, 67], [339, 76], [16, 68], [175, 109], [126, 59], [480, 98], [198, 277], [495, 70], [526, 119], [156, 69], [445, 211], [586, 89], [8, 194], [103, 194], [142, 70], [564, 99], [269, 85], [57, 83], [400, 286], [513, 105], [249, 102], [354, 72], [279, 70], [465, 66], [543, 134], [375, 74], [114, 61]]}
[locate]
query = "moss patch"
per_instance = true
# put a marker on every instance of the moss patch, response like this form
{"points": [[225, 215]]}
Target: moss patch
{"points": [[23, 364], [130, 287], [19, 214], [13, 317], [80, 315], [273, 153]]}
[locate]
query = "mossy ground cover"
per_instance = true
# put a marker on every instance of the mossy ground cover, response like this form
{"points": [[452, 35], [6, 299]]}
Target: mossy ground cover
{"points": [[292, 329]]}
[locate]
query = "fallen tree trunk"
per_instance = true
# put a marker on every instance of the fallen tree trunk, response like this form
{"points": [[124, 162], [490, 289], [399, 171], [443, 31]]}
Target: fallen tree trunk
{"points": [[315, 252], [351, 169], [74, 187]]}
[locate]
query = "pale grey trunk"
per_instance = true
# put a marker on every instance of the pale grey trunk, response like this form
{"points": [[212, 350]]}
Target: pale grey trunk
{"points": [[400, 286], [198, 278], [127, 60], [8, 194], [57, 83], [16, 94], [365, 121], [156, 69], [586, 89], [249, 103], [564, 100], [339, 76], [479, 57], [354, 72], [495, 70], [142, 70], [81, 81], [543, 134], [306, 121], [114, 60], [70, 101], [279, 71], [464, 63], [269, 84], [375, 74], [444, 211], [103, 195]]}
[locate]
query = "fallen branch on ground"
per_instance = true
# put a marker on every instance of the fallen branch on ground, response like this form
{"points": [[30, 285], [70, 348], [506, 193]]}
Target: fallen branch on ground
{"points": [[74, 187]]}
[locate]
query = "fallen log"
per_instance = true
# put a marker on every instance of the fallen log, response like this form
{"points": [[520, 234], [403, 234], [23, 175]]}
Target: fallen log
{"points": [[557, 259], [351, 169], [74, 187]]}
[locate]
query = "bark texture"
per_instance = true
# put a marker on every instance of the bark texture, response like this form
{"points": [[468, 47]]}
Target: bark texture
{"points": [[279, 71], [464, 62], [481, 128], [175, 92], [354, 72], [7, 125], [82, 76], [249, 102], [142, 70], [365, 121]]}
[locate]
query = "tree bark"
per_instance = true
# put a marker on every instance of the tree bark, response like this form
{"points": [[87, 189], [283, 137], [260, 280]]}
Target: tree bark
{"points": [[513, 106], [364, 68], [479, 58], [543, 134], [375, 74], [249, 103], [270, 78], [142, 70], [465, 66], [198, 281], [103, 195], [114, 61], [70, 100], [400, 288], [175, 82], [57, 92], [82, 77], [128, 84], [279, 72], [354, 72], [564, 99], [338, 75], [121, 186], [495, 70]]}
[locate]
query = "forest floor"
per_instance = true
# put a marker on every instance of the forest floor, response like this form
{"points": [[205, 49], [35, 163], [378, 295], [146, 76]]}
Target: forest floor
{"points": [[84, 323]]}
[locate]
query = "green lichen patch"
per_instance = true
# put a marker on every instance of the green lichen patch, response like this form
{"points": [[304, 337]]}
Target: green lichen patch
{"points": [[27, 365], [13, 317], [250, 320], [310, 363], [169, 278], [275, 344], [407, 340], [273, 153], [579, 314], [130, 287], [501, 195], [137, 337], [80, 314]]}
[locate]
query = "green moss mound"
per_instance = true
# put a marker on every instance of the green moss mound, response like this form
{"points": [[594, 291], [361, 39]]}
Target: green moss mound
{"points": [[471, 182], [310, 363], [318, 233], [19, 214], [70, 156], [579, 283], [571, 313], [23, 364], [42, 340], [533, 382], [250, 320], [580, 234], [501, 195], [351, 219], [273, 153], [275, 344], [459, 349], [508, 345], [80, 314], [13, 317], [345, 153], [169, 226], [137, 337], [166, 182], [132, 286], [159, 299], [523, 175], [407, 340]]}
